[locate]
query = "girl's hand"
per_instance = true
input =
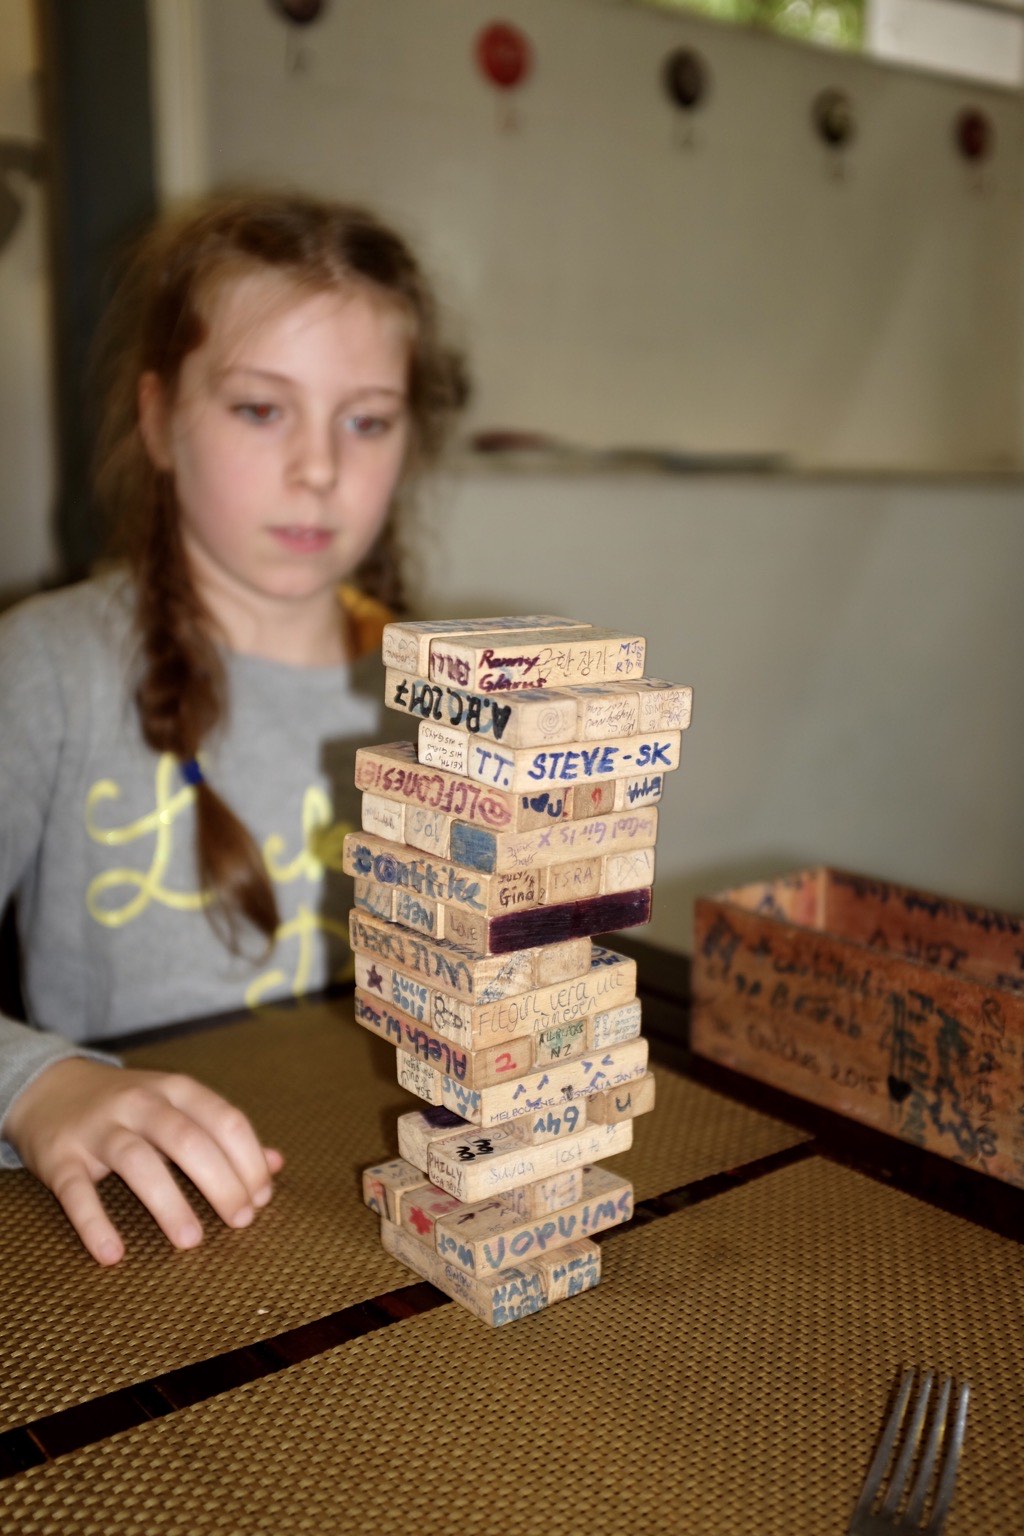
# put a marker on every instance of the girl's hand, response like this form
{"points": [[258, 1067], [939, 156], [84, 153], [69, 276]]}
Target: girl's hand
{"points": [[80, 1120]]}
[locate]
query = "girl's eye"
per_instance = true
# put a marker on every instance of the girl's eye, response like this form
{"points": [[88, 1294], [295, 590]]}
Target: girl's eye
{"points": [[259, 411], [370, 426]]}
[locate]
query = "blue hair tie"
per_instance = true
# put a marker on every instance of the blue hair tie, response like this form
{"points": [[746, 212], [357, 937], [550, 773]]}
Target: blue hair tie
{"points": [[192, 773]]}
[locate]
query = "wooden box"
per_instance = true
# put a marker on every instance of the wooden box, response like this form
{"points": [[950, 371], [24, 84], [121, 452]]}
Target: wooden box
{"points": [[899, 1008]]}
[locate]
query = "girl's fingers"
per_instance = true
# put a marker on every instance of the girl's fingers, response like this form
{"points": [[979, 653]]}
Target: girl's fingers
{"points": [[142, 1168], [232, 1132], [84, 1209], [185, 1142]]}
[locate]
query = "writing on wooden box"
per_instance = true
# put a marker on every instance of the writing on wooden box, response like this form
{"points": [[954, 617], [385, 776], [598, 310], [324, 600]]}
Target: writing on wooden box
{"points": [[893, 1026]]}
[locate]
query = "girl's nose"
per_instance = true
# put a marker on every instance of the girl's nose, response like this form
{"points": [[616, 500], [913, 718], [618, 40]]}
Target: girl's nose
{"points": [[316, 459]]}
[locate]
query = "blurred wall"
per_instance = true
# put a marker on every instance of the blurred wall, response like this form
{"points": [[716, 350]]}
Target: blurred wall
{"points": [[27, 553], [721, 283]]}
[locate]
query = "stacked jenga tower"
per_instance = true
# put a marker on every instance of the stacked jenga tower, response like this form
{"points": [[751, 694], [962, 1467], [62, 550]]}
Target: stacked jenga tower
{"points": [[524, 823]]}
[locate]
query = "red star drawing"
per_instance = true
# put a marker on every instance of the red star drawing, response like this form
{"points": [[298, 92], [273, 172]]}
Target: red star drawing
{"points": [[421, 1222], [375, 979]]}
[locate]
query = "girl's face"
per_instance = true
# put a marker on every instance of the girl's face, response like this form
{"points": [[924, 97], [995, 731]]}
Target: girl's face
{"points": [[286, 438]]}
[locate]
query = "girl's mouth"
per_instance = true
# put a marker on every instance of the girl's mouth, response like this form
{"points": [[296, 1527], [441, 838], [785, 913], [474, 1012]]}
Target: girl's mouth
{"points": [[307, 541]]}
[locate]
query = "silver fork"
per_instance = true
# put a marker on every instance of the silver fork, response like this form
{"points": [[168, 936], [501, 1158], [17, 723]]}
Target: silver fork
{"points": [[946, 1432]]}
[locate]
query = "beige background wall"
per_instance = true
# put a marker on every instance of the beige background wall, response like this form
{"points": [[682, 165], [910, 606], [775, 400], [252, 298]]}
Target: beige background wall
{"points": [[27, 555]]}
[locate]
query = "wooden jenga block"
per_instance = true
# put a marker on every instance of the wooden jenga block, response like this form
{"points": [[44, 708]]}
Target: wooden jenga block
{"points": [[613, 1106], [521, 770], [550, 1124], [508, 1294], [391, 770], [381, 817], [594, 799], [441, 746], [391, 905], [420, 1079], [542, 716], [405, 644], [613, 1026], [492, 852], [544, 807], [571, 1270], [555, 961], [484, 1237], [663, 706], [627, 871], [419, 1209], [451, 969], [430, 831], [418, 1127], [384, 1183], [532, 1093], [540, 658], [499, 1300], [375, 900], [513, 1059], [483, 1164], [395, 864], [605, 710], [540, 1198], [415, 1039], [560, 1042], [529, 928], [575, 880], [633, 794], [610, 979]]}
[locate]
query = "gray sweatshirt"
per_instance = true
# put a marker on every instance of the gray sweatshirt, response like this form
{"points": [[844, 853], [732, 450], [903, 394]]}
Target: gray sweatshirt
{"points": [[96, 830]]}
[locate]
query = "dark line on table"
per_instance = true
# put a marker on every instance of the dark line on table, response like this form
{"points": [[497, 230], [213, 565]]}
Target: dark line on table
{"points": [[88, 1423]]}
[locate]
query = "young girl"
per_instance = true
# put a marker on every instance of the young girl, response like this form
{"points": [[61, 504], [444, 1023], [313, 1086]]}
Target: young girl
{"points": [[176, 730]]}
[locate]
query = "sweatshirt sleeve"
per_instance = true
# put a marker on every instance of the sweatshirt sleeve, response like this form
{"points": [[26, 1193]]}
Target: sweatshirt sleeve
{"points": [[31, 739]]}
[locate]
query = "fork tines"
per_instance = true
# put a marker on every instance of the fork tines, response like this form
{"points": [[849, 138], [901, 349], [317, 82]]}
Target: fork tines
{"points": [[941, 1451]]}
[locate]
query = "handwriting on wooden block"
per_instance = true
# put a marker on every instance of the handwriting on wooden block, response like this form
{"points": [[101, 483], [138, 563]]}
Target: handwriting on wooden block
{"points": [[609, 979], [392, 771], [448, 968], [415, 1076], [520, 770], [485, 1237], [541, 658], [627, 871], [542, 717], [405, 644], [417, 1128], [491, 852], [571, 1270], [613, 1105], [490, 1161], [499, 1300], [536, 1091], [420, 1208], [539, 1198], [427, 830], [631, 794], [384, 818], [373, 899], [612, 1026], [560, 1042], [509, 932], [384, 1183], [440, 746]]}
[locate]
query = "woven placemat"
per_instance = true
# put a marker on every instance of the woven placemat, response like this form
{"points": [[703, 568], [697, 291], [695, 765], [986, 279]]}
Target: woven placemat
{"points": [[729, 1375], [324, 1091]]}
